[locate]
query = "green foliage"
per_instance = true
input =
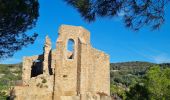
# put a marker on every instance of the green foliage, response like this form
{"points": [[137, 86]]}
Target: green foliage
{"points": [[155, 86], [132, 78], [117, 91], [135, 13], [44, 80], [158, 83], [16, 17], [8, 75], [137, 92], [128, 73], [3, 97]]}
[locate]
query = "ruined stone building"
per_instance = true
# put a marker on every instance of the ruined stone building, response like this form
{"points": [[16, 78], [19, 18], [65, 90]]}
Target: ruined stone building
{"points": [[60, 74]]}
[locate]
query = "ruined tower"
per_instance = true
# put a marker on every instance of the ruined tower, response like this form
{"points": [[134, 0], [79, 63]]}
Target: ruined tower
{"points": [[60, 74]]}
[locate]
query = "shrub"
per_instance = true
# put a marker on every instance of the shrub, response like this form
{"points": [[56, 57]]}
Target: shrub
{"points": [[44, 81]]}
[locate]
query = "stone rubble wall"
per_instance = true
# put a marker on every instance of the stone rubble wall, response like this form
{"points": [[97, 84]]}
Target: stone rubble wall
{"points": [[32, 93], [26, 69], [84, 76]]}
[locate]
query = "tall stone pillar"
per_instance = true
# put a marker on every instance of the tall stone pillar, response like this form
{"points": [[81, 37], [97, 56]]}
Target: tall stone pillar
{"points": [[47, 49]]}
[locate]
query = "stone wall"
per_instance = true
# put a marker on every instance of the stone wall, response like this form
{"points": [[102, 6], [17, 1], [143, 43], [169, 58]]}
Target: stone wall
{"points": [[80, 74]]}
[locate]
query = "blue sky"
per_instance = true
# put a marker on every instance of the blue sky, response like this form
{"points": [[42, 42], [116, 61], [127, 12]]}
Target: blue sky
{"points": [[108, 35]]}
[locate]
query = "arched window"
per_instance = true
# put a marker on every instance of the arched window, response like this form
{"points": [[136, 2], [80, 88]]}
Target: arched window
{"points": [[70, 49]]}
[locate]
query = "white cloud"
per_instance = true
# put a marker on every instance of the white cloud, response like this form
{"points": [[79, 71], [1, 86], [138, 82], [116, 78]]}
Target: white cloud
{"points": [[10, 61], [152, 55], [163, 58]]}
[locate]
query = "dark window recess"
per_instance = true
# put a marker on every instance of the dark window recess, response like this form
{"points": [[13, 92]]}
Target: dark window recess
{"points": [[36, 68], [49, 64]]}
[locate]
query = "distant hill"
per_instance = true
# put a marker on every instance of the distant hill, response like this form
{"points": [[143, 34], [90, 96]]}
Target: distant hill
{"points": [[135, 64], [130, 65], [129, 73], [122, 74]]}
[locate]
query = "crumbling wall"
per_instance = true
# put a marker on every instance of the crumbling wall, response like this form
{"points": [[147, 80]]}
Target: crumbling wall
{"points": [[101, 73], [60, 74], [30, 63], [32, 93], [66, 68], [80, 75]]}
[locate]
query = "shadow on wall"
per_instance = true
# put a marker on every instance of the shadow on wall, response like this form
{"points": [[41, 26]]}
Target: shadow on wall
{"points": [[37, 68]]}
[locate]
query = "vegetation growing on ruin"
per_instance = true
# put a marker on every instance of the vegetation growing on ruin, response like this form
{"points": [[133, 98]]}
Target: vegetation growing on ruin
{"points": [[44, 80]]}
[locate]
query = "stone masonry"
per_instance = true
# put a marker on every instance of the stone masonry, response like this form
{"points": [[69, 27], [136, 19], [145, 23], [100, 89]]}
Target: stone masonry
{"points": [[61, 74]]}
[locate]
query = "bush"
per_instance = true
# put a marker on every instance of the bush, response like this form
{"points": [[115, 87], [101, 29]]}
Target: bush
{"points": [[44, 81]]}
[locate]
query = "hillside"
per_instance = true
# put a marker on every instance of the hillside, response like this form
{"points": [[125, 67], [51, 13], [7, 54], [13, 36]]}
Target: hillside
{"points": [[122, 75], [129, 73], [9, 73]]}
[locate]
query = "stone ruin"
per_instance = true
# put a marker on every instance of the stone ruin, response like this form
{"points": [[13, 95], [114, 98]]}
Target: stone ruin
{"points": [[60, 74]]}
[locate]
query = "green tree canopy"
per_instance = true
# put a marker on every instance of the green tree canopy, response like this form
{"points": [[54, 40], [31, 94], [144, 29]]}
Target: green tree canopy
{"points": [[16, 16], [136, 13], [138, 92], [158, 83], [155, 86]]}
